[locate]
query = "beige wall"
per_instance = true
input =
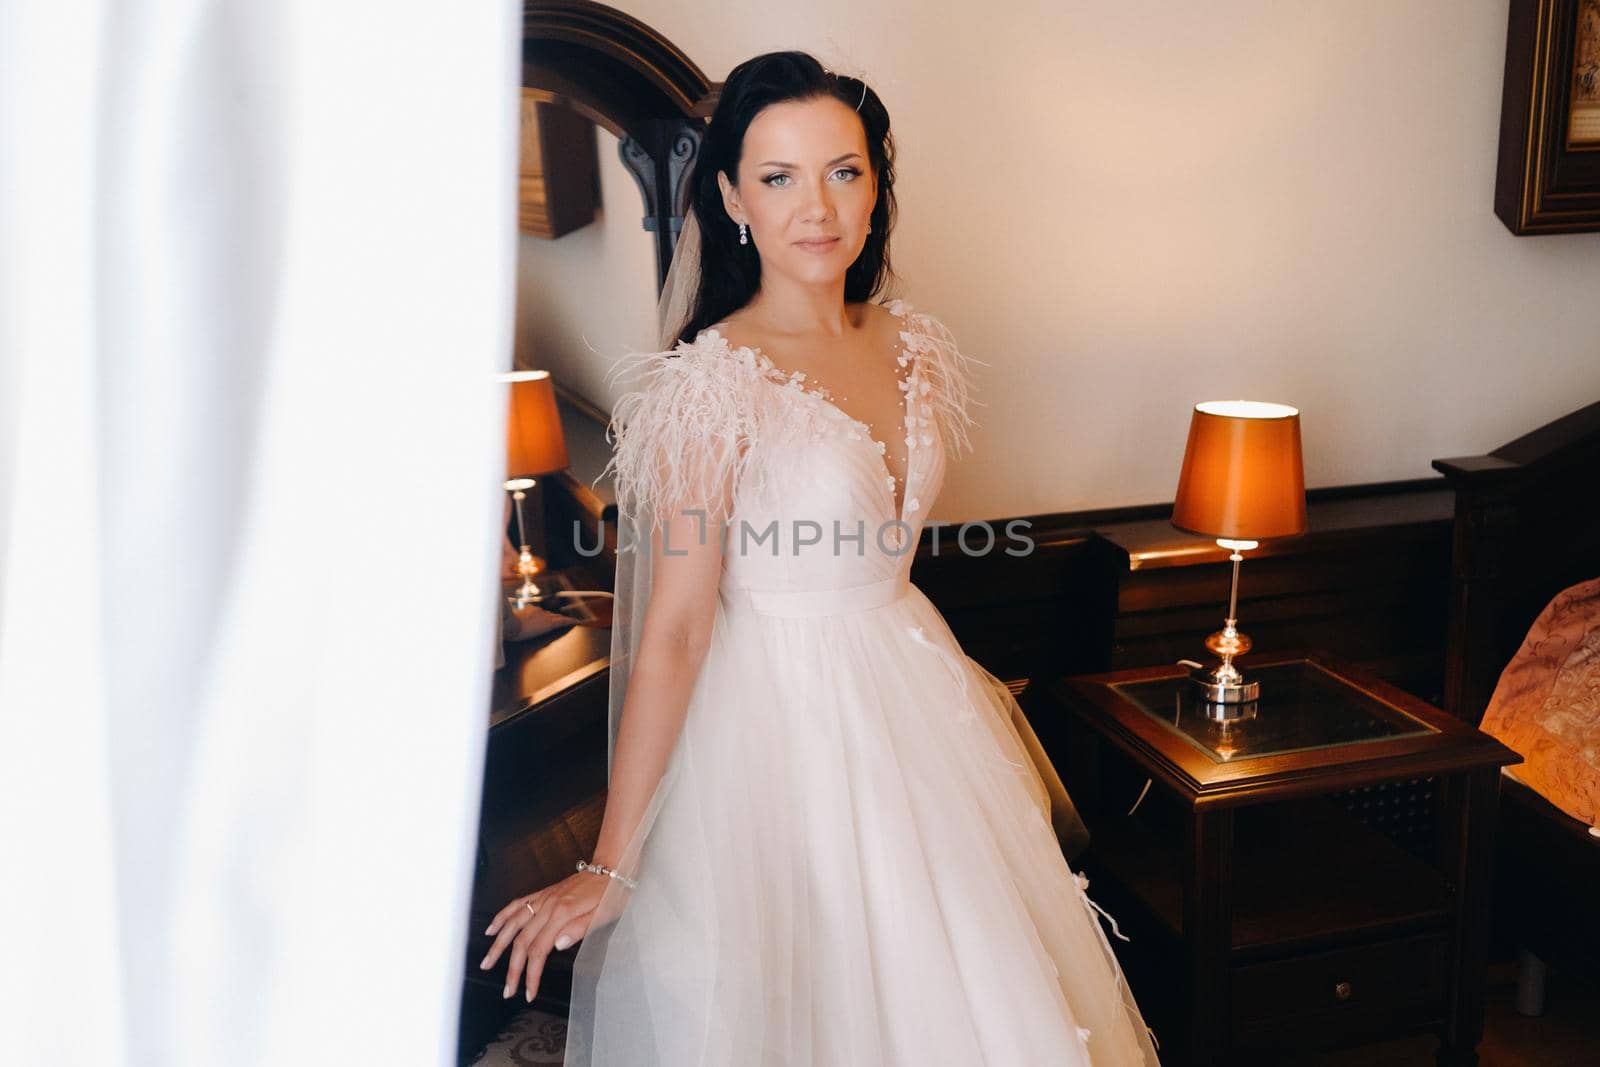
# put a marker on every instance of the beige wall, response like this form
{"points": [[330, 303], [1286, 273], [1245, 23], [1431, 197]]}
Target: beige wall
{"points": [[589, 295], [1125, 208]]}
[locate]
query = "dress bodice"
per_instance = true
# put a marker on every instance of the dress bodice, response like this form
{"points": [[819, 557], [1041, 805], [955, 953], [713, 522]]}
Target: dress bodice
{"points": [[810, 501]]}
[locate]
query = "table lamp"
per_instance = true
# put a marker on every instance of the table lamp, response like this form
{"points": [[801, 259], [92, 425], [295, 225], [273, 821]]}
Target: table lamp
{"points": [[1243, 482], [535, 447]]}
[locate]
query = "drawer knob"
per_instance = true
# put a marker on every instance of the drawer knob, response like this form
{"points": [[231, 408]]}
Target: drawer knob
{"points": [[1341, 991]]}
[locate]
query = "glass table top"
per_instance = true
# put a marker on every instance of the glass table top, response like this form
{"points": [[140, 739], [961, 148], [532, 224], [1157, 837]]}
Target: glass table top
{"points": [[1302, 706]]}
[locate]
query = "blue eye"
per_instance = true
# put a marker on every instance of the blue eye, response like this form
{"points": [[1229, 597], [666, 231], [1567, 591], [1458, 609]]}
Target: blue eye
{"points": [[772, 179]]}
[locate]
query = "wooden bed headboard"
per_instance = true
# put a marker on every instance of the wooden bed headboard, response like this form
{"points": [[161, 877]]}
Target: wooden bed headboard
{"points": [[1527, 525]]}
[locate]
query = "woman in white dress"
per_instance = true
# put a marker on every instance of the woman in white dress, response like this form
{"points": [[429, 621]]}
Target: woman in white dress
{"points": [[824, 842]]}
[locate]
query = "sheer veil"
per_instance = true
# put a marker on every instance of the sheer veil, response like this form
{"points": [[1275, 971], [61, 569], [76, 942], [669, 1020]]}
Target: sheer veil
{"points": [[683, 282]]}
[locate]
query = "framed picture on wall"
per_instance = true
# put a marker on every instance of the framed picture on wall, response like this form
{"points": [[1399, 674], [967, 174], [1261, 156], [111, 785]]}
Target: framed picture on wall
{"points": [[1548, 179]]}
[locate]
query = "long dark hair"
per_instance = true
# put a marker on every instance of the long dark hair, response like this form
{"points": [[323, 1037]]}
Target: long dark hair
{"points": [[730, 273]]}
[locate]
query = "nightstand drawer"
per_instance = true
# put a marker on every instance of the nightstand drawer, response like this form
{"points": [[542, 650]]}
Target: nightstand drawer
{"points": [[1341, 993]]}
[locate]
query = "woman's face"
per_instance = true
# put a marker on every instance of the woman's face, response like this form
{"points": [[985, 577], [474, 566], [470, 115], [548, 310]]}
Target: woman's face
{"points": [[804, 176]]}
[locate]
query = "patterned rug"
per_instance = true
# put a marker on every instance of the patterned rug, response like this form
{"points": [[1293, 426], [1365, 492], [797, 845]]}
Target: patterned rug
{"points": [[532, 1039]]}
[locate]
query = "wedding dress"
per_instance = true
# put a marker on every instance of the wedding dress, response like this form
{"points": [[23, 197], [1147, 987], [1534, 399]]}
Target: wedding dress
{"points": [[849, 859]]}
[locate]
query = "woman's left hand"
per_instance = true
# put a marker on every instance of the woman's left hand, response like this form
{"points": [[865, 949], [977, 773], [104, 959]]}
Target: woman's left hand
{"points": [[558, 916]]}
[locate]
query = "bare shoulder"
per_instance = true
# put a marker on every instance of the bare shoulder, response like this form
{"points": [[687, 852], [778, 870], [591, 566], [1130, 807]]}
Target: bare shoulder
{"points": [[736, 332], [881, 324], [882, 315]]}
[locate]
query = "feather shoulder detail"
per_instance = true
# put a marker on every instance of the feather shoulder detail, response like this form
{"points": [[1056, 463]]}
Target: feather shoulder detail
{"points": [[944, 374], [683, 434]]}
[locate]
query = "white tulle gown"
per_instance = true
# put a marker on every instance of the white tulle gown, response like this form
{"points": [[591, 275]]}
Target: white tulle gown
{"points": [[849, 859]]}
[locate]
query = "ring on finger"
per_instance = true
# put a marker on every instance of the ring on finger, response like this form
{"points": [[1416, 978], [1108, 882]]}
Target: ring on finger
{"points": [[529, 905]]}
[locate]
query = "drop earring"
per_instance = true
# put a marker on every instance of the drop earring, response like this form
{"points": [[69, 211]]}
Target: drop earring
{"points": [[744, 236]]}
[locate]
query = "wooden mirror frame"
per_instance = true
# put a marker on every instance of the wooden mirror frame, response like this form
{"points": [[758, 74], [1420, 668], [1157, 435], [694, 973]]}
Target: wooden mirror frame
{"points": [[628, 79]]}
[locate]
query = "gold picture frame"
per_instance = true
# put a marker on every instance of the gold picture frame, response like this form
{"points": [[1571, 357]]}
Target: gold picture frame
{"points": [[1548, 177]]}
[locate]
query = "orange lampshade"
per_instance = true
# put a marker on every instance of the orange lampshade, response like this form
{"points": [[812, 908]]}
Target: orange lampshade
{"points": [[1243, 478], [535, 445]]}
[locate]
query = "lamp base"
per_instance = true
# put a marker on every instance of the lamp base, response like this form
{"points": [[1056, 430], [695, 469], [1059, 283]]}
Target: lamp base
{"points": [[1225, 693], [1225, 690], [529, 592], [526, 595]]}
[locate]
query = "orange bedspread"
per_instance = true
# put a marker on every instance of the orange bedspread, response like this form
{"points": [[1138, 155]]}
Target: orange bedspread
{"points": [[1546, 706]]}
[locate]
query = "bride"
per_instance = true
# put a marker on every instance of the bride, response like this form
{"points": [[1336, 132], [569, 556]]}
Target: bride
{"points": [[823, 842]]}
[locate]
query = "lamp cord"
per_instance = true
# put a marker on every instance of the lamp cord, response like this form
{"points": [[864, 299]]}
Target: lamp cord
{"points": [[1147, 781]]}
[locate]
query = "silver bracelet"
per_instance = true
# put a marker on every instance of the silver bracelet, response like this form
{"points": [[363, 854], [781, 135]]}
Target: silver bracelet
{"points": [[597, 868]]}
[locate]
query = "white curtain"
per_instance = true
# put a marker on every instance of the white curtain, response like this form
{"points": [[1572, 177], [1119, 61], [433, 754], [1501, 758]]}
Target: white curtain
{"points": [[256, 276]]}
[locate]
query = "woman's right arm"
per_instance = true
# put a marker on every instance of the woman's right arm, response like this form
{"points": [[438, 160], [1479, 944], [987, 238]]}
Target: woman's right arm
{"points": [[678, 459], [672, 646]]}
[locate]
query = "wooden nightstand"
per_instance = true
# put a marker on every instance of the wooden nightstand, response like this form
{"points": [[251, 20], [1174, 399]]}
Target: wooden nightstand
{"points": [[1312, 877]]}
